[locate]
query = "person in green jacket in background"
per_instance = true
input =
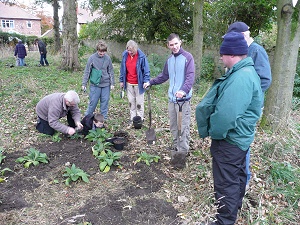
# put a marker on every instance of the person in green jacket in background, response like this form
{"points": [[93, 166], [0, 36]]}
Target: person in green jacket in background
{"points": [[228, 114]]}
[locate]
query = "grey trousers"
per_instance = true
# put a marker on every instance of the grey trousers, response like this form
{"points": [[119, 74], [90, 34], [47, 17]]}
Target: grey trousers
{"points": [[181, 143], [136, 101]]}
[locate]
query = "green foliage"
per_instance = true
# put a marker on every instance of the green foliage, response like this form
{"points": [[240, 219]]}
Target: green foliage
{"points": [[34, 157], [98, 134], [85, 50], [108, 159], [2, 171], [76, 136], [207, 67], [283, 173], [56, 137], [287, 181], [1, 155], [99, 147], [259, 15], [73, 174], [147, 158], [156, 63], [155, 19], [296, 90], [91, 31]]}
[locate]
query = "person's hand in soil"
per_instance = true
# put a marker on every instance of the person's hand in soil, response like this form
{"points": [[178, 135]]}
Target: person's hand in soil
{"points": [[71, 131]]}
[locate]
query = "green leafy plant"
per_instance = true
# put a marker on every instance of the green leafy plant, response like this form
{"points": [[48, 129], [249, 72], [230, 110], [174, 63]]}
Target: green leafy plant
{"points": [[1, 155], [73, 174], [56, 137], [98, 134], [147, 158], [76, 136], [99, 147], [34, 157], [108, 159], [2, 171]]}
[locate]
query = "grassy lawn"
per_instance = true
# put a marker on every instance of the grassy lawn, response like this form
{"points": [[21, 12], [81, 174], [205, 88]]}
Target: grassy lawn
{"points": [[273, 197]]}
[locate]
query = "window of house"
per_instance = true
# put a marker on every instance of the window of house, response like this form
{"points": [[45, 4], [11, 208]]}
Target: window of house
{"points": [[29, 24], [7, 23]]}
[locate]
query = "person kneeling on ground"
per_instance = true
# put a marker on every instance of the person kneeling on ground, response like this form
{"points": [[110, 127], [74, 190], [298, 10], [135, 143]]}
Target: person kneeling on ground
{"points": [[55, 106], [92, 122]]}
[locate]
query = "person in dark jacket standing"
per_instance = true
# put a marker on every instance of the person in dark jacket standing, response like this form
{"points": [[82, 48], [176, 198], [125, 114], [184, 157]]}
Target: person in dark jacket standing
{"points": [[43, 52], [179, 69], [20, 53], [228, 114], [261, 66]]}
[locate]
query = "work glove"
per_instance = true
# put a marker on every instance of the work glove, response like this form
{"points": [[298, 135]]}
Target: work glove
{"points": [[83, 88], [112, 87]]}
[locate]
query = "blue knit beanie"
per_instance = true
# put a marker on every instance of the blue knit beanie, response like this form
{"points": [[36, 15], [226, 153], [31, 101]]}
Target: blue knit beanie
{"points": [[234, 43], [238, 27]]}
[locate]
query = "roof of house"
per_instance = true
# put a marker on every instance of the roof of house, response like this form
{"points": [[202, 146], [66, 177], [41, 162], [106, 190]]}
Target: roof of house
{"points": [[85, 16], [14, 12]]}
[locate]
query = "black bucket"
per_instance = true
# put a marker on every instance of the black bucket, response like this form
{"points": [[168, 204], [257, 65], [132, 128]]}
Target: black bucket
{"points": [[137, 122], [119, 143]]}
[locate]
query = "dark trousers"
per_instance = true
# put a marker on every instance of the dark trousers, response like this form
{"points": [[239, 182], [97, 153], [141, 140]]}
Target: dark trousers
{"points": [[229, 172], [44, 127], [43, 59]]}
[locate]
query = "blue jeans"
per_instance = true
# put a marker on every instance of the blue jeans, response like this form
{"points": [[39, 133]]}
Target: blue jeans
{"points": [[248, 172], [43, 59], [21, 61], [96, 93]]}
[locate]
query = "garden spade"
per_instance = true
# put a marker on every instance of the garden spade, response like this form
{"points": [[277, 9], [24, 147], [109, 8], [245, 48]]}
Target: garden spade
{"points": [[150, 133], [179, 119]]}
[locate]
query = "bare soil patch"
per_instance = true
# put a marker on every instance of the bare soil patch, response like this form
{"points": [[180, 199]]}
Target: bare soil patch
{"points": [[121, 196]]}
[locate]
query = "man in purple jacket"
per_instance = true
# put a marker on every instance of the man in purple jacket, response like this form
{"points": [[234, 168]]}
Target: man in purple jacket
{"points": [[20, 53], [55, 106], [179, 69]]}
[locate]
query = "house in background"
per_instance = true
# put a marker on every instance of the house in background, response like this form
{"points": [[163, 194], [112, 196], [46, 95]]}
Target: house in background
{"points": [[16, 20], [85, 16]]}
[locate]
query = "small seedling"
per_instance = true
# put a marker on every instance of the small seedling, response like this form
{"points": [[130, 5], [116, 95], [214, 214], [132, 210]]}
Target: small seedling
{"points": [[2, 171], [1, 155], [34, 157], [99, 147], [76, 136], [147, 158], [98, 134], [108, 159], [74, 173], [56, 137]]}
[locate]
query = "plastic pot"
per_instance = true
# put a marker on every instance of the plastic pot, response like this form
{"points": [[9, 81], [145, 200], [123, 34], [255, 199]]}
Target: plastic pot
{"points": [[137, 122], [119, 143]]}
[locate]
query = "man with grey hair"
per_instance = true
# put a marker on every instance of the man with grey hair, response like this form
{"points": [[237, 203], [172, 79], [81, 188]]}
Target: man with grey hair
{"points": [[55, 106]]}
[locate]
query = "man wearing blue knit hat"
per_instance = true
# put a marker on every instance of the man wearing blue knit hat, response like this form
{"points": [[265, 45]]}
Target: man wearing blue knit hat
{"points": [[261, 66], [228, 114]]}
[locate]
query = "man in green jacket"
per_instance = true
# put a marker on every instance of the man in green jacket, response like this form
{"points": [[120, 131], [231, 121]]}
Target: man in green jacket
{"points": [[228, 114]]}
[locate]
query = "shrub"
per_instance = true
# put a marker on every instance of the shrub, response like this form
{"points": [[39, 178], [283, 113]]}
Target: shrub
{"points": [[207, 67]]}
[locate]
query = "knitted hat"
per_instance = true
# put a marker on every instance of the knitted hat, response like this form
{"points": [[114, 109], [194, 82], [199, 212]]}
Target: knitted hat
{"points": [[238, 27], [234, 43]]}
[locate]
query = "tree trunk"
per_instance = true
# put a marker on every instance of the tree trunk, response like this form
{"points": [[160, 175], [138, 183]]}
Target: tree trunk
{"points": [[55, 6], [279, 96], [70, 39], [198, 35]]}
